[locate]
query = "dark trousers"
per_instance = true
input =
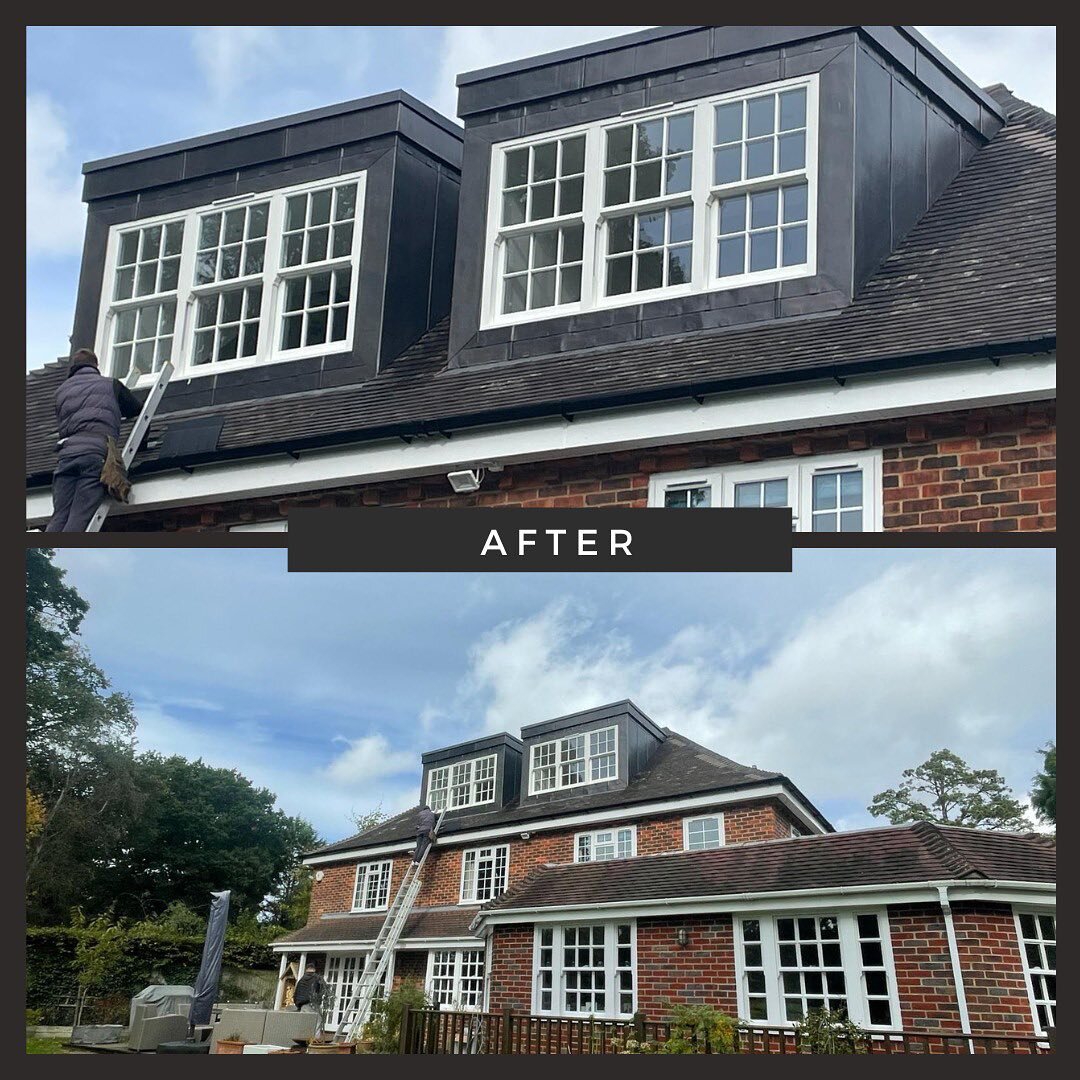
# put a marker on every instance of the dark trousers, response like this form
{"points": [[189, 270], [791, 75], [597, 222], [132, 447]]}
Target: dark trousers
{"points": [[423, 842], [77, 492]]}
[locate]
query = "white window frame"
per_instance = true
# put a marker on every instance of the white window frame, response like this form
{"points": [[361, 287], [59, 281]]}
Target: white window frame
{"points": [[467, 898], [272, 279], [612, 989], [588, 760], [472, 782], [850, 958], [334, 982], [704, 196], [614, 830], [456, 1004], [798, 472], [1021, 940], [278, 525], [367, 869], [688, 821]]}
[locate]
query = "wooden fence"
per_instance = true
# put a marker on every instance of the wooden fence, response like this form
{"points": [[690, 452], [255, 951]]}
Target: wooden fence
{"points": [[434, 1031]]}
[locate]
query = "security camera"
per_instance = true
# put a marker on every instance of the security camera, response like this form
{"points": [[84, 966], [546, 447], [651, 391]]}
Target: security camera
{"points": [[466, 480]]}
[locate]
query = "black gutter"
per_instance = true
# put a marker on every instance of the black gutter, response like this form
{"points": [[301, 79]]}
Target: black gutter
{"points": [[593, 403]]}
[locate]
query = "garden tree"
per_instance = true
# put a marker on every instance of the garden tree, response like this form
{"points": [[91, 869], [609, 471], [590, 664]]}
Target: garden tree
{"points": [[1044, 794], [290, 899], [200, 828], [946, 790], [35, 815], [368, 819], [79, 749]]}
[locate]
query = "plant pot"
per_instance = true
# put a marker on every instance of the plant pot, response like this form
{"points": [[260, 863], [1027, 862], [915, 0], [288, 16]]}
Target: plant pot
{"points": [[331, 1048], [229, 1046]]}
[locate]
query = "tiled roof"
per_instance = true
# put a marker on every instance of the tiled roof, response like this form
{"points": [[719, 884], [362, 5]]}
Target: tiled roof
{"points": [[978, 272], [894, 855], [679, 767], [422, 923]]}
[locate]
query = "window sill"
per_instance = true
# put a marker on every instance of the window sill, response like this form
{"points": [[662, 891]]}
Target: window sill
{"points": [[369, 911], [187, 373]]}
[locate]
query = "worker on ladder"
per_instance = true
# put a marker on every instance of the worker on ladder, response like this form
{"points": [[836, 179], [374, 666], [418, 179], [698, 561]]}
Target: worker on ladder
{"points": [[89, 408], [425, 831]]}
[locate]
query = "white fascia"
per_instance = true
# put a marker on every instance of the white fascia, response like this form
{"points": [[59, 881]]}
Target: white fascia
{"points": [[852, 896], [599, 817], [360, 946], [721, 416]]}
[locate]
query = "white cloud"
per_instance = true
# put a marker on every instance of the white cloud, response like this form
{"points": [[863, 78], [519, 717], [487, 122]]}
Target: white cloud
{"points": [[55, 216], [912, 661], [466, 48], [231, 56], [366, 760]]}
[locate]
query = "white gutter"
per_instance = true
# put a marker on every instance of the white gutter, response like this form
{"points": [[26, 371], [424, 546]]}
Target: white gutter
{"points": [[720, 416], [756, 793], [349, 946], [954, 958], [843, 896]]}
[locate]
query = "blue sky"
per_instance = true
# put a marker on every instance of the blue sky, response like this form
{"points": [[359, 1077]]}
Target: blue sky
{"points": [[327, 688], [97, 91]]}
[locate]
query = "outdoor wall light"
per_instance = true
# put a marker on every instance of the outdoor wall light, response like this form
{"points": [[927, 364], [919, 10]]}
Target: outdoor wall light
{"points": [[466, 481], [682, 937]]}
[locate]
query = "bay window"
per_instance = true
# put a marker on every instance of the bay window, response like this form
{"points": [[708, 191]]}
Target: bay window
{"points": [[669, 201], [484, 873], [833, 493], [585, 758], [455, 978], [584, 970], [790, 965], [249, 280]]}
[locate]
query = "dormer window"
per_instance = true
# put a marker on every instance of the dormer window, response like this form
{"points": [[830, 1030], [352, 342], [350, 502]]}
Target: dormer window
{"points": [[466, 783], [586, 758], [249, 280], [671, 201]]}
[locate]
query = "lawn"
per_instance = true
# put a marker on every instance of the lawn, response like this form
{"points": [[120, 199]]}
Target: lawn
{"points": [[37, 1045]]}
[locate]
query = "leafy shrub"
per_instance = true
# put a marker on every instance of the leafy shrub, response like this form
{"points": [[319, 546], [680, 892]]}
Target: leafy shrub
{"points": [[699, 1029], [825, 1032], [384, 1025]]}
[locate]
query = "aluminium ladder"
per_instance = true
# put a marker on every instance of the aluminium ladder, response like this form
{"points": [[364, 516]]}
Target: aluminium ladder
{"points": [[142, 422], [355, 1014]]}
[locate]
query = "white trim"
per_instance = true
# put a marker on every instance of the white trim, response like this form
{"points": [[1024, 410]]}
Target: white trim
{"points": [[1034, 910], [270, 279], [557, 761], [722, 416], [603, 816], [471, 783], [844, 897], [592, 835], [954, 961], [687, 821], [278, 525], [494, 849], [798, 472], [403, 945], [611, 984], [703, 197], [372, 867], [459, 959]]}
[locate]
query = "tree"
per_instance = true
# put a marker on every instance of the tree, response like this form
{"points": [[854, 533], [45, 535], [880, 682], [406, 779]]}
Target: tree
{"points": [[35, 815], [946, 790], [1044, 794], [291, 897], [54, 611], [200, 828], [368, 819]]}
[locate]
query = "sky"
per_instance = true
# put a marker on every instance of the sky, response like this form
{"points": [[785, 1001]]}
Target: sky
{"points": [[144, 86], [326, 688]]}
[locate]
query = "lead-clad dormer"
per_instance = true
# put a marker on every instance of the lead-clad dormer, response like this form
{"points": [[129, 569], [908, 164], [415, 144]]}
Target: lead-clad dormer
{"points": [[473, 777], [597, 750], [689, 178]]}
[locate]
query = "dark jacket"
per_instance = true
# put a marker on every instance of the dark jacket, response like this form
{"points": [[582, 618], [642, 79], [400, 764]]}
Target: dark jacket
{"points": [[89, 407], [425, 822], [309, 990]]}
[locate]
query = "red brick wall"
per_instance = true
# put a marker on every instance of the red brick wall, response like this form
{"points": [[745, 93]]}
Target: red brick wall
{"points": [[442, 871], [410, 967], [924, 978], [977, 469], [701, 972], [511, 973]]}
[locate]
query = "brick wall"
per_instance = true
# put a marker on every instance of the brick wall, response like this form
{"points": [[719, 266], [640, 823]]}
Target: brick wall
{"points": [[701, 972], [977, 469], [442, 871], [924, 978], [410, 967], [511, 972]]}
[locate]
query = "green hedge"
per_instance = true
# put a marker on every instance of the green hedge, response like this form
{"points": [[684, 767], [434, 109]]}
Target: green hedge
{"points": [[51, 970]]}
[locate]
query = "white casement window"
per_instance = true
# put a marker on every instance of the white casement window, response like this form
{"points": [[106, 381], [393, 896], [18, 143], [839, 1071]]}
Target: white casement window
{"points": [[372, 889], [341, 974], [249, 280], [467, 783], [1037, 933], [584, 970], [586, 758], [484, 873], [455, 978], [834, 493], [606, 844], [703, 833], [789, 965], [667, 201]]}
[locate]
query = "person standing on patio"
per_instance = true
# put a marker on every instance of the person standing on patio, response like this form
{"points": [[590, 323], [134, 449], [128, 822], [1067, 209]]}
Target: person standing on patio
{"points": [[307, 997]]}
